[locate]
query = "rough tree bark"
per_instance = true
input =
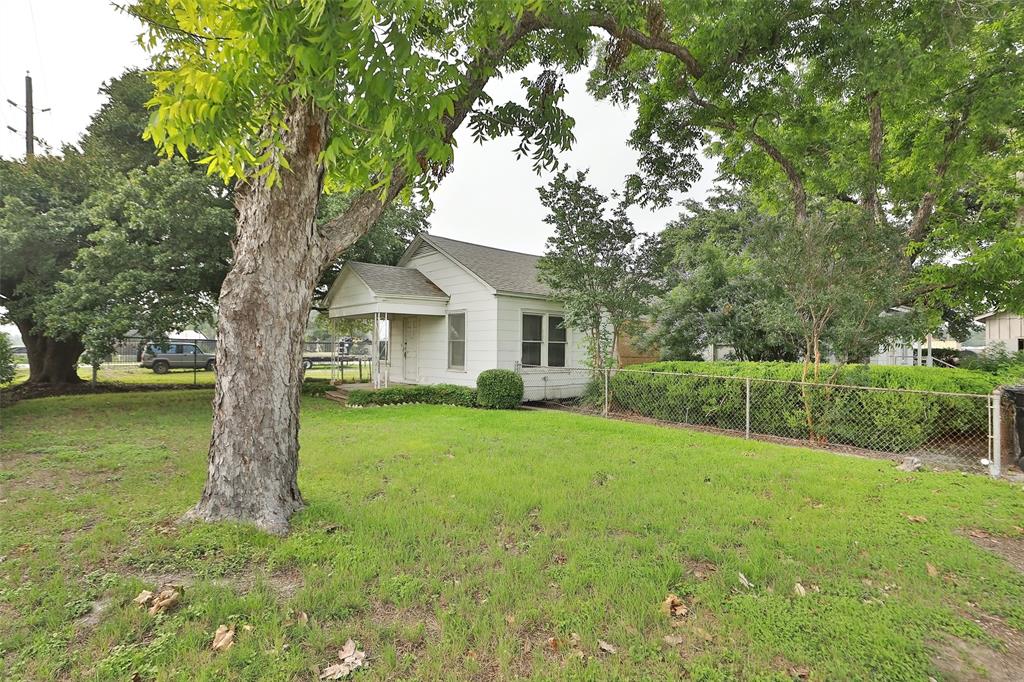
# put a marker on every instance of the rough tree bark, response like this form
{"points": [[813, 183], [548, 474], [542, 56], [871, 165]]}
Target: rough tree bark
{"points": [[50, 360], [279, 254], [264, 303]]}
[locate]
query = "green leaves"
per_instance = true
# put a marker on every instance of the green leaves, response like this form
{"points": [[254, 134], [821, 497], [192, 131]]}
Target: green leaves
{"points": [[596, 264]]}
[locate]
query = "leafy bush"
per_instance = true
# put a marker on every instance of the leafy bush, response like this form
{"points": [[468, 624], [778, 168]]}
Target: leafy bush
{"points": [[6, 359], [881, 420], [316, 387], [435, 394], [995, 359], [499, 388]]}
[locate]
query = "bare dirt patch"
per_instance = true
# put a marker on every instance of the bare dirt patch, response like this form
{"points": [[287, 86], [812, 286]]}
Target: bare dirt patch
{"points": [[698, 569], [285, 582], [961, 659], [1011, 549]]}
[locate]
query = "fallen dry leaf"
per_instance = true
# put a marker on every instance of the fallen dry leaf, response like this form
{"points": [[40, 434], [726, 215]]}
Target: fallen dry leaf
{"points": [[166, 599], [574, 639], [553, 643], [302, 618], [350, 658], [932, 571], [799, 590], [914, 518], [746, 583], [674, 606], [224, 638], [144, 598], [605, 647], [673, 640], [978, 533]]}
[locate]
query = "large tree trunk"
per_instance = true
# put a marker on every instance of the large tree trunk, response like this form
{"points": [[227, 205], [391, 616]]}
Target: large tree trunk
{"points": [[50, 360], [263, 308]]}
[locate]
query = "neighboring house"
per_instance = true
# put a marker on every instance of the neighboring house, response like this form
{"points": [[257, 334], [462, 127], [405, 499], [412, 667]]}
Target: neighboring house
{"points": [[450, 310], [1002, 328]]}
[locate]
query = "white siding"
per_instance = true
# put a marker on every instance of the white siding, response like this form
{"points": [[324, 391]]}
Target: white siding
{"points": [[540, 382], [349, 292], [467, 294], [1006, 329]]}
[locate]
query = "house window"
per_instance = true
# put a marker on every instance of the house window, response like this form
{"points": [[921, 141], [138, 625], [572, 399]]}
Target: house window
{"points": [[556, 341], [533, 339], [457, 341], [1020, 344], [544, 340]]}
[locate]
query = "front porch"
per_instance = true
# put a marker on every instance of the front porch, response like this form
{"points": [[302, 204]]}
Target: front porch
{"points": [[406, 312]]}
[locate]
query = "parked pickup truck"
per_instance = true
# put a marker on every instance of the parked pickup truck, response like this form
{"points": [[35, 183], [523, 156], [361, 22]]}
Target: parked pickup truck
{"points": [[161, 357]]}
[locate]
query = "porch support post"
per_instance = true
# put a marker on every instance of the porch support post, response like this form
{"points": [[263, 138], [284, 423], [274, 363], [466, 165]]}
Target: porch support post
{"points": [[375, 352], [387, 352]]}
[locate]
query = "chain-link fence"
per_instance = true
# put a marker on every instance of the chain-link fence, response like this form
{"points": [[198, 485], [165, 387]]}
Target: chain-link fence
{"points": [[943, 430]]}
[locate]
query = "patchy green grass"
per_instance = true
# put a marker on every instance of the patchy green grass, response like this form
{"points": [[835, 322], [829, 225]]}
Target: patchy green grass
{"points": [[133, 374], [453, 543]]}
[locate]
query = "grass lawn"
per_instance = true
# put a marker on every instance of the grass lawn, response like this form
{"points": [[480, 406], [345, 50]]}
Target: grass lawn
{"points": [[133, 374], [454, 544]]}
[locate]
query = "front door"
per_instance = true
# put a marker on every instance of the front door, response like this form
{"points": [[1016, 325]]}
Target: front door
{"points": [[410, 349]]}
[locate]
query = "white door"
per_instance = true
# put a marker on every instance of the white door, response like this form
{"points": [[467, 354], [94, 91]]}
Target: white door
{"points": [[410, 349]]}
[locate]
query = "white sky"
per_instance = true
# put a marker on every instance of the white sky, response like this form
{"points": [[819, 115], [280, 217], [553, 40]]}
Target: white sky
{"points": [[72, 46]]}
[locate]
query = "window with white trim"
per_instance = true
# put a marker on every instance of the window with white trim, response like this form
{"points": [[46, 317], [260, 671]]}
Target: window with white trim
{"points": [[556, 341], [456, 340], [544, 340]]}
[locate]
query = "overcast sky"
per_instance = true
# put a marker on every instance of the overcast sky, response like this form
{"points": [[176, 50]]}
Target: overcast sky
{"points": [[72, 46]]}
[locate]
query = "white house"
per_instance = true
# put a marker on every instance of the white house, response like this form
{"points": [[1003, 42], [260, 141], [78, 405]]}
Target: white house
{"points": [[450, 310], [1002, 328]]}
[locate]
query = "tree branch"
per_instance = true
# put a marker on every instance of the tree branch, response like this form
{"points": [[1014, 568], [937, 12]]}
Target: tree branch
{"points": [[345, 229], [919, 225], [875, 138]]}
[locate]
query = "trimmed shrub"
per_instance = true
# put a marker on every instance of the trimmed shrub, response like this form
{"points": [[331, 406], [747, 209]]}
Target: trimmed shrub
{"points": [[435, 394], [316, 387], [500, 389], [879, 420]]}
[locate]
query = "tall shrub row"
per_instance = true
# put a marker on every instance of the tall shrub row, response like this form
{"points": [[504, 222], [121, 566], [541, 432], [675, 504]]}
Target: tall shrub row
{"points": [[879, 420]]}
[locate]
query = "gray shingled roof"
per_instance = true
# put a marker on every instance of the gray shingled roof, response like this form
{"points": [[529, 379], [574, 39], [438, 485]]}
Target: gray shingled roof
{"points": [[388, 280], [508, 271]]}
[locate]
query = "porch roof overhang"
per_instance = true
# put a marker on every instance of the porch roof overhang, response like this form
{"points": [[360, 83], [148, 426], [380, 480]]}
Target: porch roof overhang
{"points": [[406, 305], [364, 290]]}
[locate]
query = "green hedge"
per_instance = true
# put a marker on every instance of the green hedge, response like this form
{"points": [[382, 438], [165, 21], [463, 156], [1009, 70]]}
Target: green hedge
{"points": [[878, 420], [316, 387], [435, 394], [499, 388]]}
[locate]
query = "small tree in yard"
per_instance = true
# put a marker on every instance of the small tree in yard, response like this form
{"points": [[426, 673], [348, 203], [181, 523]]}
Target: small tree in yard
{"points": [[6, 359], [596, 264]]}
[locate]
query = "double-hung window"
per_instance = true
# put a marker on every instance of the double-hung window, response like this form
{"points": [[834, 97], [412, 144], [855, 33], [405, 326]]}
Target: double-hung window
{"points": [[544, 340], [556, 341], [456, 340]]}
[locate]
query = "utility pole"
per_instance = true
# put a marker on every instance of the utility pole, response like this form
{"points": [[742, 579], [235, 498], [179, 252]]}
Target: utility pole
{"points": [[30, 112], [29, 123]]}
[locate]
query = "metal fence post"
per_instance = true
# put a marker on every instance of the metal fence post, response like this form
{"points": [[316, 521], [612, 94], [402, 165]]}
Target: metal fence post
{"points": [[747, 429], [607, 371], [996, 435]]}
